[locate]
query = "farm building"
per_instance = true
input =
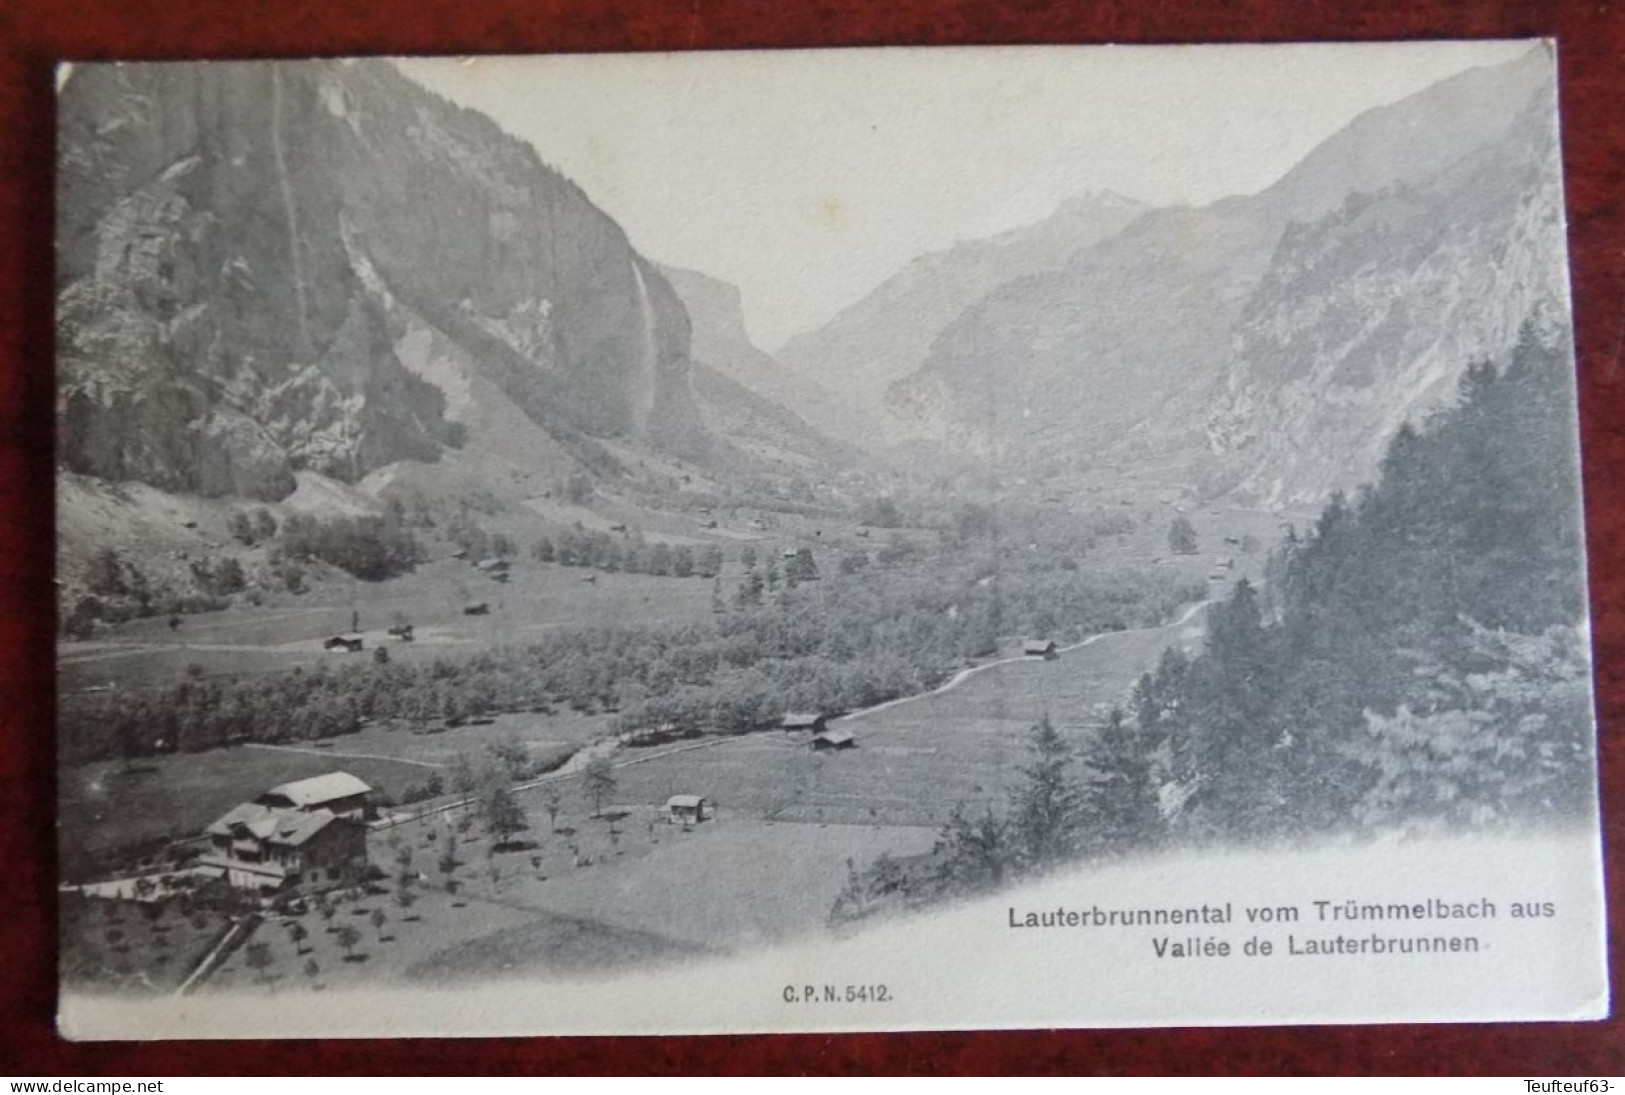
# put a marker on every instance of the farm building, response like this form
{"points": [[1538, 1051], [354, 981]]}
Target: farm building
{"points": [[340, 793], [481, 609], [833, 739], [1041, 648], [403, 633], [304, 835], [689, 809], [492, 566], [350, 644], [803, 720], [258, 848]]}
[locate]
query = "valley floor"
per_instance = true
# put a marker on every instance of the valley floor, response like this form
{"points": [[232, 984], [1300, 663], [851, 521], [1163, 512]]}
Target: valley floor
{"points": [[580, 895]]}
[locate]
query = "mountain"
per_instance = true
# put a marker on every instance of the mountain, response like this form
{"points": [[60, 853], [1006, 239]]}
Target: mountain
{"points": [[1313, 316], [742, 391], [1367, 317], [272, 267], [889, 333]]}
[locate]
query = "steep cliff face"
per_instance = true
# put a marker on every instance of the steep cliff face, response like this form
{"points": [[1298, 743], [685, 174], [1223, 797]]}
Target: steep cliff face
{"points": [[243, 246], [1054, 359], [1282, 336], [743, 392], [1367, 317], [890, 333]]}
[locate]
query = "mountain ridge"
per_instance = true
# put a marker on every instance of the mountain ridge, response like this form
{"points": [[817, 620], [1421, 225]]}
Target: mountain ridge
{"points": [[1126, 347]]}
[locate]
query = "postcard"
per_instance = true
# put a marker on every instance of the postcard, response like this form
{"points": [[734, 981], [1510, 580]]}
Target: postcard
{"points": [[814, 541]]}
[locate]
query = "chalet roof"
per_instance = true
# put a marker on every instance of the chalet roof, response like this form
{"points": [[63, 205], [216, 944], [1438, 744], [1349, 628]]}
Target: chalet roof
{"points": [[319, 789], [834, 737], [250, 814], [1038, 646], [295, 829], [273, 826], [801, 720], [687, 802]]}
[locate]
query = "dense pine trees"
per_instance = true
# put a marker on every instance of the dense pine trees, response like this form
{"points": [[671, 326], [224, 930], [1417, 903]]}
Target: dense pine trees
{"points": [[1418, 661]]}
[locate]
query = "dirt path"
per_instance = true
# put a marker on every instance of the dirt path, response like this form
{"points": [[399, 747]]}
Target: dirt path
{"points": [[966, 674], [335, 754]]}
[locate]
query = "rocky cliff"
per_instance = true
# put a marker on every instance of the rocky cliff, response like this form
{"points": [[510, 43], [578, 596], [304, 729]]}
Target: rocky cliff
{"points": [[1282, 336], [244, 247], [891, 332], [1367, 317]]}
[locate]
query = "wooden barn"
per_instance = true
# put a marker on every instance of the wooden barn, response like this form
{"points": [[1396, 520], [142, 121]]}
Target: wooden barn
{"points": [[689, 809], [1041, 648], [803, 720], [831, 740]]}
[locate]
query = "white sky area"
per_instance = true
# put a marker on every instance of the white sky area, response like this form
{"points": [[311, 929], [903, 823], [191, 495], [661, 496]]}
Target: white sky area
{"points": [[806, 178]]}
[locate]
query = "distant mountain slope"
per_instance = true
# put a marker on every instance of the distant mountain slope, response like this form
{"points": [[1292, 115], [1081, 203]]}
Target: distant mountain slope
{"points": [[1176, 333], [243, 248], [889, 333], [1366, 317], [719, 340]]}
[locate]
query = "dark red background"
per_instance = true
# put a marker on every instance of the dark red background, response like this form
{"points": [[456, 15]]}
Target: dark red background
{"points": [[35, 33]]}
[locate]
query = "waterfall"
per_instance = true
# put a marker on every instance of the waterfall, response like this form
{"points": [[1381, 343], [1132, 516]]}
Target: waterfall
{"points": [[645, 380], [290, 208]]}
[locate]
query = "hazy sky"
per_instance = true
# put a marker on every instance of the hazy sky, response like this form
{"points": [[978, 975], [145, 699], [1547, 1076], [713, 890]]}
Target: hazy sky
{"points": [[807, 178]]}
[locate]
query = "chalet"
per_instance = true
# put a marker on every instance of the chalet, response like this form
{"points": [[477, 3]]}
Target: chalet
{"points": [[689, 810], [833, 739], [803, 720], [789, 553], [1041, 648], [492, 566], [481, 609], [339, 793], [310, 834], [403, 633], [350, 644], [267, 850]]}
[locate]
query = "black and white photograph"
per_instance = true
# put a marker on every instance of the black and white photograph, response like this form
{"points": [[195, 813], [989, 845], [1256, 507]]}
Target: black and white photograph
{"points": [[861, 539]]}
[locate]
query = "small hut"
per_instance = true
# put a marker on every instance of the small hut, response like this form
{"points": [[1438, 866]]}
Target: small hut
{"points": [[689, 810], [832, 740], [1041, 648], [803, 720]]}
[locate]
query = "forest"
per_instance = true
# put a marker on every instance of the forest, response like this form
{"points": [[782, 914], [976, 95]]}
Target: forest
{"points": [[831, 631], [1417, 661]]}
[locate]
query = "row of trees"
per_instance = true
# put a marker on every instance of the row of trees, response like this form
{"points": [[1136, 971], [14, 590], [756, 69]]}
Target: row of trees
{"points": [[367, 547], [578, 547]]}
